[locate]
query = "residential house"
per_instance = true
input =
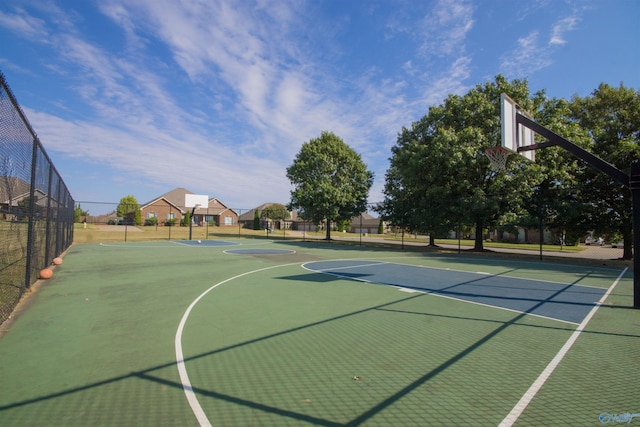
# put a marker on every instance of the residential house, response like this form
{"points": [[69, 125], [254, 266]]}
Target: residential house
{"points": [[247, 218], [170, 208], [365, 224]]}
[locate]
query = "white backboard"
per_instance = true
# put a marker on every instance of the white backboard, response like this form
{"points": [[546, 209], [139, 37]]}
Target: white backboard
{"points": [[193, 200], [514, 135]]}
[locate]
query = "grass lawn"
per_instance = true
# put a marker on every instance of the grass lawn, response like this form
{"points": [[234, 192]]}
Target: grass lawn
{"points": [[94, 233]]}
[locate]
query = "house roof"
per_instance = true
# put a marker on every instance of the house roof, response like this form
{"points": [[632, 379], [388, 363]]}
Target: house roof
{"points": [[162, 199], [216, 207], [176, 197]]}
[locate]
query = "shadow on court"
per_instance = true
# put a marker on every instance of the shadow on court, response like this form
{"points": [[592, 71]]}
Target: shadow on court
{"points": [[392, 396]]}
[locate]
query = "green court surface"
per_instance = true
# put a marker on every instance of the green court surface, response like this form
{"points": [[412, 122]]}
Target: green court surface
{"points": [[252, 332]]}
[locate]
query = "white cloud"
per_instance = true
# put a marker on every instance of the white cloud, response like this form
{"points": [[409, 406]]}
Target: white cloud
{"points": [[152, 155], [27, 26], [561, 28], [239, 93], [446, 27], [533, 53], [527, 58]]}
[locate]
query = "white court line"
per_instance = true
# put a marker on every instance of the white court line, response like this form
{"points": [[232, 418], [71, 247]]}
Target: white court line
{"points": [[517, 410], [182, 370], [265, 251], [435, 292], [342, 268]]}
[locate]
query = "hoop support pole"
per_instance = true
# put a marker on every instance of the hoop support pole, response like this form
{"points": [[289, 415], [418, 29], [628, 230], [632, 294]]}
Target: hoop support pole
{"points": [[577, 151], [631, 181]]}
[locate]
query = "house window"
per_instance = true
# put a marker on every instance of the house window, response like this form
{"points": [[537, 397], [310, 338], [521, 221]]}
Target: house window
{"points": [[228, 220], [171, 216], [152, 215]]}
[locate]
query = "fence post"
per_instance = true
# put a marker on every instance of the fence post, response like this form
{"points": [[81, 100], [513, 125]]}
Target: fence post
{"points": [[634, 185], [540, 225], [47, 246], [31, 225]]}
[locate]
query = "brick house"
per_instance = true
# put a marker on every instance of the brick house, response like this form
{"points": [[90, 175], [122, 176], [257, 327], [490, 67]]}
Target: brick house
{"points": [[171, 206]]}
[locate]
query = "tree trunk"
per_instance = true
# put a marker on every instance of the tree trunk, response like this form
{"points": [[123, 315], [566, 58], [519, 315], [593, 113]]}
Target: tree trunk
{"points": [[479, 237], [432, 239], [328, 230]]}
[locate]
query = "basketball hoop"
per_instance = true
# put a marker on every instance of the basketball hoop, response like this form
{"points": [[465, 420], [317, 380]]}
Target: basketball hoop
{"points": [[498, 157]]}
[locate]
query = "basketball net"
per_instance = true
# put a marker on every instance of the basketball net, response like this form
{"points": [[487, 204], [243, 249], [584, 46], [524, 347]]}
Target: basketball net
{"points": [[497, 157]]}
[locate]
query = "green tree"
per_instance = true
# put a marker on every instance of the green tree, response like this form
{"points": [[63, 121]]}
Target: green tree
{"points": [[79, 213], [439, 178], [275, 212], [186, 219], [331, 182], [152, 220], [128, 207], [611, 115], [556, 199]]}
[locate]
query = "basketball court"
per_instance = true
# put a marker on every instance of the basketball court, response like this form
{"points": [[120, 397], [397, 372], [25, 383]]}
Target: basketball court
{"points": [[303, 333], [259, 332]]}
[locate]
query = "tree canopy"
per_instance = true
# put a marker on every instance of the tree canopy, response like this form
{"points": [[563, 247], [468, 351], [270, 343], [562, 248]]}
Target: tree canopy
{"points": [[128, 204], [275, 212], [439, 180], [611, 115], [330, 180]]}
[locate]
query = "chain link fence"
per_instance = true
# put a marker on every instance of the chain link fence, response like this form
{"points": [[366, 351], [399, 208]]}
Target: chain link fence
{"points": [[36, 209], [543, 237], [162, 219], [545, 233]]}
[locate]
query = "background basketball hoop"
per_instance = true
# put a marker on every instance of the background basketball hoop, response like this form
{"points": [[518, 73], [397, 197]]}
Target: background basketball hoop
{"points": [[498, 157]]}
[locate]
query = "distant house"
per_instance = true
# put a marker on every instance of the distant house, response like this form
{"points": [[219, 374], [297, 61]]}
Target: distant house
{"points": [[300, 224], [365, 224], [170, 207], [246, 219]]}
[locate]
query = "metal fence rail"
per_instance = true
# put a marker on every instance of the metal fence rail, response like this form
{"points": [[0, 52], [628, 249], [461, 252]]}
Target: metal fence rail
{"points": [[36, 208]]}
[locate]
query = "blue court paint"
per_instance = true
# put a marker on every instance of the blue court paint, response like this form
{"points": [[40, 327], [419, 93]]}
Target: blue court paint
{"points": [[259, 251], [560, 301]]}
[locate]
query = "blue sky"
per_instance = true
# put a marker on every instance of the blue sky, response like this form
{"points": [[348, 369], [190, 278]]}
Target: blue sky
{"points": [[142, 96]]}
